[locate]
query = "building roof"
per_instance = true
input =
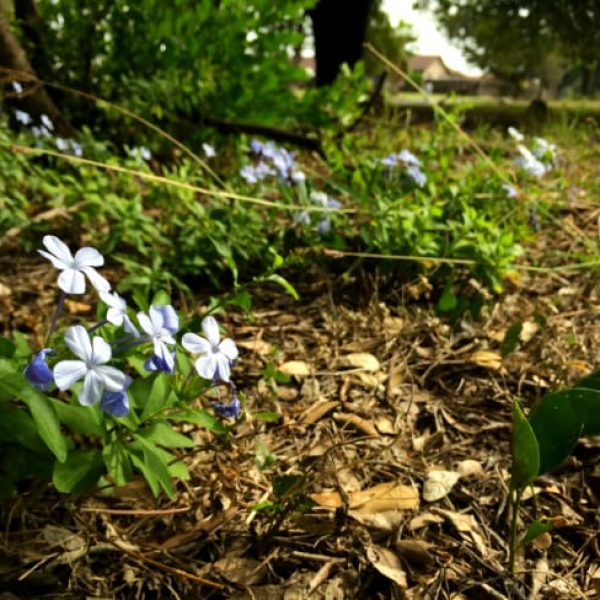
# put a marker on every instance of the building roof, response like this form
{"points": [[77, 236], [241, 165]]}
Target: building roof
{"points": [[421, 62]]}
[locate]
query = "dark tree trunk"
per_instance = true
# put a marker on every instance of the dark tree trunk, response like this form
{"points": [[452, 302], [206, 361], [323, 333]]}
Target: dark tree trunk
{"points": [[34, 99], [339, 28], [588, 77]]}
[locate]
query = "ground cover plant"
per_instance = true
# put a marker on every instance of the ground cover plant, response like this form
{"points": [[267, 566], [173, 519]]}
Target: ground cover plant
{"points": [[437, 201], [357, 366]]}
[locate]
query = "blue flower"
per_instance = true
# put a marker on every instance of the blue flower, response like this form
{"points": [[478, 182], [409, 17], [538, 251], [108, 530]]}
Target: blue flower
{"points": [[158, 363], [38, 373], [209, 150], [228, 411], [161, 324], [116, 404], [213, 357], [511, 190], [416, 175], [408, 158], [22, 117]]}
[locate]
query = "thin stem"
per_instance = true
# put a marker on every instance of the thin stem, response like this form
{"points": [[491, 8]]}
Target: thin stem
{"points": [[59, 307], [98, 325], [512, 543]]}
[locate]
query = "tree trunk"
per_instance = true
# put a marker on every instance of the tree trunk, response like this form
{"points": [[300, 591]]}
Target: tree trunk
{"points": [[588, 76], [34, 98]]}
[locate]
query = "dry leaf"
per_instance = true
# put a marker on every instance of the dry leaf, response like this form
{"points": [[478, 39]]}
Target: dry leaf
{"points": [[76, 308], [469, 467], [242, 571], [438, 484], [359, 360], [386, 426], [528, 330], [358, 422], [259, 346], [387, 563], [388, 520], [316, 411], [487, 359], [5, 290], [416, 553], [393, 325], [295, 368], [423, 520], [379, 498]]}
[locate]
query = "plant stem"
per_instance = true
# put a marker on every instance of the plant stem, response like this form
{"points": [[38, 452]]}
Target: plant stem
{"points": [[59, 306], [512, 543]]}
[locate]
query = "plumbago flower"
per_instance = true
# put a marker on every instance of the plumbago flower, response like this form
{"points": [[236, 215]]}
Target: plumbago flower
{"points": [[209, 150], [38, 373], [74, 268], [215, 356], [116, 404], [161, 323], [117, 312], [97, 376]]}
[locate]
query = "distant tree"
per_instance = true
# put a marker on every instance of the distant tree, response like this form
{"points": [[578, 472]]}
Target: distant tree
{"points": [[514, 39], [389, 40]]}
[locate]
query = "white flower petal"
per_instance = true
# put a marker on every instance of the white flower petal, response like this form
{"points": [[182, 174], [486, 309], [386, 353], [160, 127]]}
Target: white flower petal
{"points": [[115, 316], [195, 344], [129, 326], [96, 279], [71, 281], [78, 340], [58, 248], [59, 263], [228, 348], [92, 389], [211, 330], [113, 300], [223, 367], [111, 377], [88, 257], [206, 366], [145, 323], [101, 351], [156, 317], [68, 372]]}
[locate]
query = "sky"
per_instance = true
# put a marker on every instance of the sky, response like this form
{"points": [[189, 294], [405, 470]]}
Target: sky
{"points": [[430, 39]]}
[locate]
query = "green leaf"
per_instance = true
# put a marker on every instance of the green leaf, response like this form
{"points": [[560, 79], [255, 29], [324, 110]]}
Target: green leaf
{"points": [[557, 425], [202, 418], [7, 348], [525, 450], [242, 299], [285, 284], [586, 403], [448, 300], [79, 419], [156, 398], [15, 385], [536, 529], [155, 468], [511, 339], [118, 463], [161, 298], [17, 427], [22, 348], [79, 472], [163, 434], [286, 483]]}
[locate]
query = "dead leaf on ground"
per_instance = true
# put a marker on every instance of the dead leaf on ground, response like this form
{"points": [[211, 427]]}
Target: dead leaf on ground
{"points": [[387, 563], [359, 360], [469, 467], [317, 410], [295, 368], [487, 359], [416, 553], [379, 498], [242, 571], [358, 422], [439, 484], [261, 347]]}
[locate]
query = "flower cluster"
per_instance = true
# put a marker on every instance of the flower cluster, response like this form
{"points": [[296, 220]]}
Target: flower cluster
{"points": [[324, 201], [271, 160], [539, 160], [101, 381], [45, 129], [409, 162]]}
